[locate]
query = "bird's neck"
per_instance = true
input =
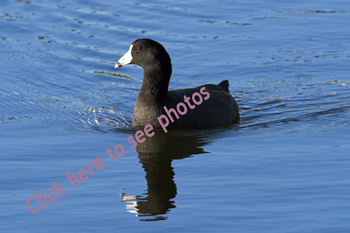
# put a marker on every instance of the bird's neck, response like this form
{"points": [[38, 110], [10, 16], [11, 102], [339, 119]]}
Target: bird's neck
{"points": [[155, 82]]}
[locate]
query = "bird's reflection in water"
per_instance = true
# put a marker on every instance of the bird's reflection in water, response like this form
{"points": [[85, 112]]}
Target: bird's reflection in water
{"points": [[156, 155]]}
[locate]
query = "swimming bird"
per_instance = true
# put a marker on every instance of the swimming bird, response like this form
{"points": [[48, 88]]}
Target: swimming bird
{"points": [[212, 106]]}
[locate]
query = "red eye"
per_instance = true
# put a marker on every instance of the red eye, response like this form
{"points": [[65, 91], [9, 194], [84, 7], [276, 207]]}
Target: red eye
{"points": [[138, 49]]}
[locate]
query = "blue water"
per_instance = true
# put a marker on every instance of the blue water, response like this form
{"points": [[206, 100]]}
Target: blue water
{"points": [[285, 167]]}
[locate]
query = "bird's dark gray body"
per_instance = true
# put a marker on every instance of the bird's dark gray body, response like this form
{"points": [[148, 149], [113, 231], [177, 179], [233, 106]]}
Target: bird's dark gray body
{"points": [[220, 106]]}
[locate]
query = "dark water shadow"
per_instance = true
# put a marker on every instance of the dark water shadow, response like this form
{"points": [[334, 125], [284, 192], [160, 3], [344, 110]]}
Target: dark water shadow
{"points": [[156, 155]]}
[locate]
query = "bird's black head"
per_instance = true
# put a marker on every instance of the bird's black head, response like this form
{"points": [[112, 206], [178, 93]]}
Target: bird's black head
{"points": [[146, 53]]}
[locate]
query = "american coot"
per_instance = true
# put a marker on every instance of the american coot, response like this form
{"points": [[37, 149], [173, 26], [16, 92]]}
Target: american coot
{"points": [[206, 106]]}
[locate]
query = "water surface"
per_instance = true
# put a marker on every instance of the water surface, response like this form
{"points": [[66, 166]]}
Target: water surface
{"points": [[283, 168]]}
